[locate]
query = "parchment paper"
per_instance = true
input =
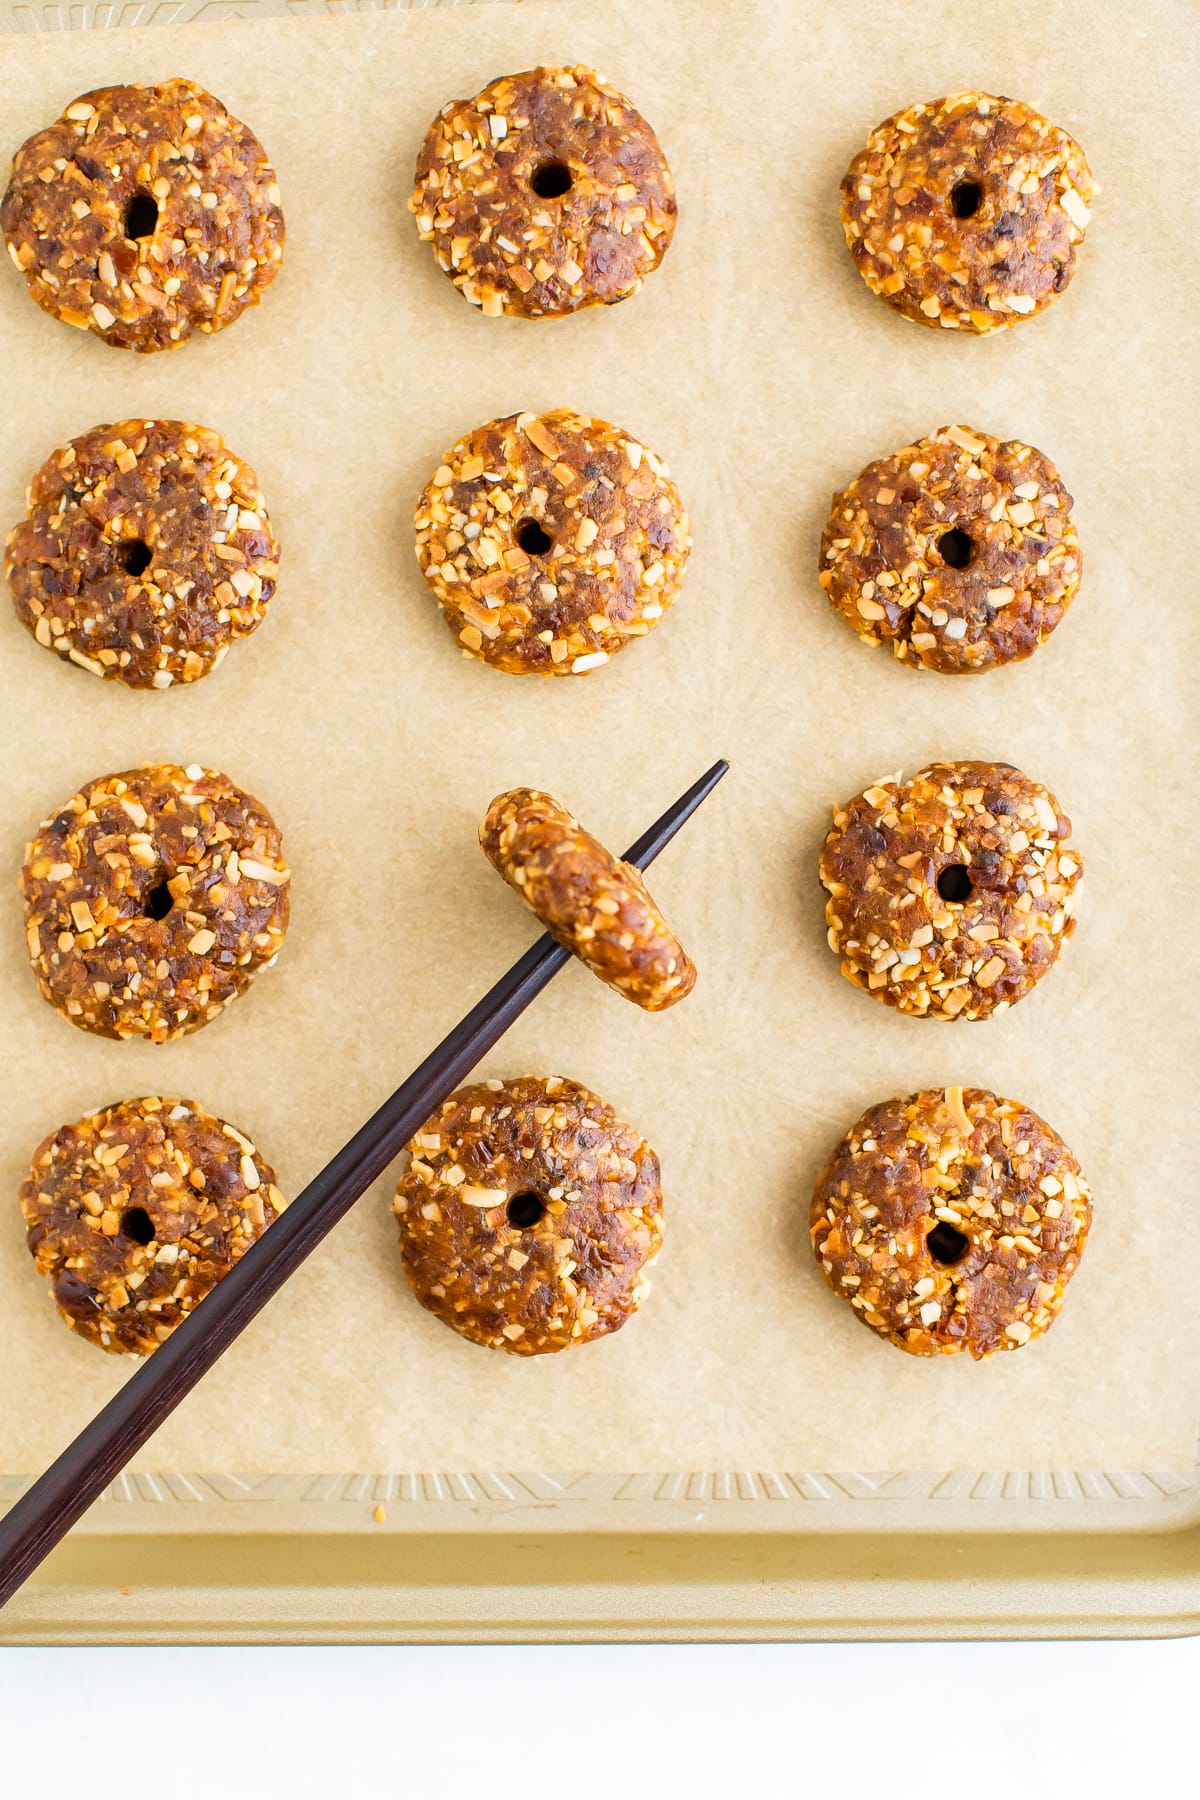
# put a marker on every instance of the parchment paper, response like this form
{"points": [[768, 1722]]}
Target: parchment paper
{"points": [[761, 368]]}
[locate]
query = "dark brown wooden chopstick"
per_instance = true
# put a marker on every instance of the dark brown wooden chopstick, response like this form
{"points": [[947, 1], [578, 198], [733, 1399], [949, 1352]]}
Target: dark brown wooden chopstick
{"points": [[47, 1511]]}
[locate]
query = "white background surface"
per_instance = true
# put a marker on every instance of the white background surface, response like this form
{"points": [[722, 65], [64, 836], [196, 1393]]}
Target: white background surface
{"points": [[1010, 1721]]}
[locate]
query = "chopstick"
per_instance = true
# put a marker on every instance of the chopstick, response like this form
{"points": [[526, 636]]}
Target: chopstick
{"points": [[46, 1511]]}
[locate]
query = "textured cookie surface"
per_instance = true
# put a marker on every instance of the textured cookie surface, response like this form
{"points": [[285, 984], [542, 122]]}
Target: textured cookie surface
{"points": [[591, 902], [544, 193], [967, 212], [152, 898], [146, 553], [960, 551], [951, 1220], [529, 1215], [551, 542], [145, 213], [950, 895], [134, 1212]]}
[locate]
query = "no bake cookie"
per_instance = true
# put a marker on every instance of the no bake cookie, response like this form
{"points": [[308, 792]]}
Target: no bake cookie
{"points": [[591, 902], [134, 1212], [529, 1215], [152, 898], [960, 551], [967, 212], [551, 541], [951, 1220], [145, 213], [146, 553], [950, 895], [545, 193]]}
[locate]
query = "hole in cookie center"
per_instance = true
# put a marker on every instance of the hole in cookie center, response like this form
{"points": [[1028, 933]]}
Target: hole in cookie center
{"points": [[137, 1225], [158, 901], [955, 548], [966, 197], [947, 1245], [135, 557], [533, 538], [954, 883], [524, 1210], [141, 216], [551, 180]]}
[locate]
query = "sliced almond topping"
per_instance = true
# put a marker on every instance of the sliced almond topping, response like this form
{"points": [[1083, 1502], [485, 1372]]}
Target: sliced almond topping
{"points": [[957, 1110], [257, 871], [481, 1196], [966, 440], [1075, 209], [543, 439]]}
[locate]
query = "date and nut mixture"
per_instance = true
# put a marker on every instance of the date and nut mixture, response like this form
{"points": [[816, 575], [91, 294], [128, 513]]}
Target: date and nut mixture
{"points": [[967, 212], [134, 1212], [145, 213], [545, 193], [146, 553], [529, 1215], [950, 895], [551, 541], [152, 898], [592, 903], [960, 551], [951, 1220]]}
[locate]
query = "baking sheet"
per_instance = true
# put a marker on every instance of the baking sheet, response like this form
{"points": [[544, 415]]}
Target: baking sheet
{"points": [[757, 363]]}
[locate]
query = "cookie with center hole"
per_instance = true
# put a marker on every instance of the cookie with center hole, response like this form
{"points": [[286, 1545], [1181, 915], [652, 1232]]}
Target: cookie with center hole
{"points": [[133, 1213], [967, 213], [162, 217], [146, 554], [593, 904], [529, 1215], [152, 899], [951, 1220], [950, 895], [960, 552], [551, 541], [545, 193]]}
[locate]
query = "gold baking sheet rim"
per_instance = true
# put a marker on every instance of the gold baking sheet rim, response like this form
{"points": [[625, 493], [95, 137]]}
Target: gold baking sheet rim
{"points": [[551, 1557], [539, 1557]]}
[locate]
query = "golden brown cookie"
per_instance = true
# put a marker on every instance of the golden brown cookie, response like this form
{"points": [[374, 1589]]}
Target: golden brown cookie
{"points": [[152, 898], [951, 1220], [550, 542], [146, 213], [959, 551], [590, 902], [967, 212], [950, 895], [146, 553], [545, 193], [136, 1211], [529, 1215]]}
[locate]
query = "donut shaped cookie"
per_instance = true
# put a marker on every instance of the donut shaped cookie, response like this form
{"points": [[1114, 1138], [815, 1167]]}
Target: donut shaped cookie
{"points": [[545, 193], [144, 214], [136, 1211], [951, 1220], [959, 551], [950, 895], [550, 542], [529, 1215], [967, 212], [146, 553], [152, 898], [590, 902]]}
